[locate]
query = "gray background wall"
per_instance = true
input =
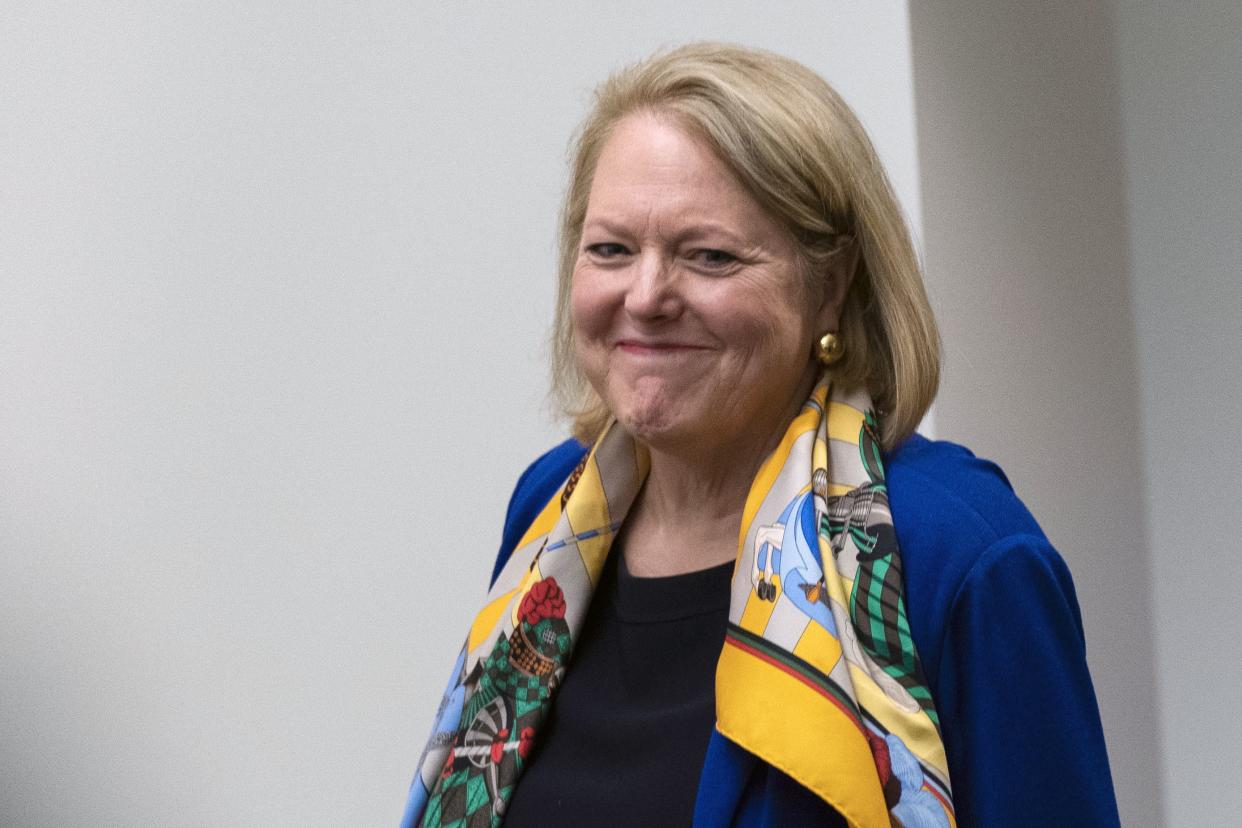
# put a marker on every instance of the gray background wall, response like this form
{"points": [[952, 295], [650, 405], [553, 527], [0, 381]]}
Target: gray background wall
{"points": [[1081, 166], [1181, 96], [275, 280]]}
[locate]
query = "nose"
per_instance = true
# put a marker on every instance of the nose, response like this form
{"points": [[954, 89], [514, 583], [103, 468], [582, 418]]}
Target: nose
{"points": [[654, 292]]}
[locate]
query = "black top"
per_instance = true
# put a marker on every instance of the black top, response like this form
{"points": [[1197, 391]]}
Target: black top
{"points": [[625, 740]]}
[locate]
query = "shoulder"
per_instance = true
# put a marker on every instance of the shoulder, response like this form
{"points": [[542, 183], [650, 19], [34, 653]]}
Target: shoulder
{"points": [[943, 486], [958, 522], [538, 483], [949, 505], [543, 476]]}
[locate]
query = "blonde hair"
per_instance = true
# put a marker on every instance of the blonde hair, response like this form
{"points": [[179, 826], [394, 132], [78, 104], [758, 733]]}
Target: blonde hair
{"points": [[800, 151]]}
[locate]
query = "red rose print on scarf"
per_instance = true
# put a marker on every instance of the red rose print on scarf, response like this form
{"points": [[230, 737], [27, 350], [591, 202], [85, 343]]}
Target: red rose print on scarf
{"points": [[543, 600]]}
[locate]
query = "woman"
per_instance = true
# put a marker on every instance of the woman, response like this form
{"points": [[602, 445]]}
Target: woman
{"points": [[784, 607]]}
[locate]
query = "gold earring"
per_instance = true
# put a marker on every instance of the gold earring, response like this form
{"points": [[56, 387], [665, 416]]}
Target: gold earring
{"points": [[831, 348]]}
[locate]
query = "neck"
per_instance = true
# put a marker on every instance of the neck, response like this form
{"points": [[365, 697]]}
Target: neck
{"points": [[689, 513]]}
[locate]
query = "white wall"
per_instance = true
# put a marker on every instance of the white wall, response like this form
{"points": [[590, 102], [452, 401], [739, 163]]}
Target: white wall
{"points": [[1181, 93], [1082, 182], [274, 285], [1026, 250]]}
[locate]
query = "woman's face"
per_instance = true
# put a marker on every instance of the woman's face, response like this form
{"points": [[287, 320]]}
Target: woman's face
{"points": [[690, 316]]}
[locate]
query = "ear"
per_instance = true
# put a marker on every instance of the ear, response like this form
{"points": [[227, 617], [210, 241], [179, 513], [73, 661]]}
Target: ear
{"points": [[836, 285]]}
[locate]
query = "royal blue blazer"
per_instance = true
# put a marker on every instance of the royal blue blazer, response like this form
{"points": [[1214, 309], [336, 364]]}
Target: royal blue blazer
{"points": [[995, 619]]}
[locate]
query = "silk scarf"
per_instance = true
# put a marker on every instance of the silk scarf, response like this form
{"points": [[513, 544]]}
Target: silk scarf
{"points": [[818, 675]]}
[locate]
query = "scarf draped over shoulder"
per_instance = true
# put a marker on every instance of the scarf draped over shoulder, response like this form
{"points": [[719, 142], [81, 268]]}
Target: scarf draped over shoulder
{"points": [[818, 675]]}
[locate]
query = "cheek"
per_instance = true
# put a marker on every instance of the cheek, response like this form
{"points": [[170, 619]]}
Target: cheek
{"points": [[772, 337], [588, 313], [592, 303], [754, 325]]}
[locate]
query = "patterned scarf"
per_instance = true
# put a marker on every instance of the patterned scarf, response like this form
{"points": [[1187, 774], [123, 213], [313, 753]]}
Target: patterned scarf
{"points": [[818, 675]]}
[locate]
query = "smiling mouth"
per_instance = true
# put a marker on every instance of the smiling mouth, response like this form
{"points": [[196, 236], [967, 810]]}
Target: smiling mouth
{"points": [[656, 348]]}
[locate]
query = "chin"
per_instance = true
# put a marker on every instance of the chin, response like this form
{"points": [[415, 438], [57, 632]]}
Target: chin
{"points": [[661, 428], [644, 424], [657, 415]]}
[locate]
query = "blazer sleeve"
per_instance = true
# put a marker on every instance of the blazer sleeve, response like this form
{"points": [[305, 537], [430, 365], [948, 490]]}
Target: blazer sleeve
{"points": [[1018, 711]]}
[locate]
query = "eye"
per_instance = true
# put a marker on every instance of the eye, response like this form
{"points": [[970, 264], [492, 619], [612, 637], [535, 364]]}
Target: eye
{"points": [[606, 250], [712, 259]]}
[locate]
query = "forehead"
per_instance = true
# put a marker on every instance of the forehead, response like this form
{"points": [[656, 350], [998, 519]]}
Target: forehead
{"points": [[651, 162]]}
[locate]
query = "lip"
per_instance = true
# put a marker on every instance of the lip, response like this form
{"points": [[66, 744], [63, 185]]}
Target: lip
{"points": [[640, 347]]}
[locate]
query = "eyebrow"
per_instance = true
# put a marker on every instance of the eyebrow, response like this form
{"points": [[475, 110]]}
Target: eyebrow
{"points": [[696, 230], [605, 225]]}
